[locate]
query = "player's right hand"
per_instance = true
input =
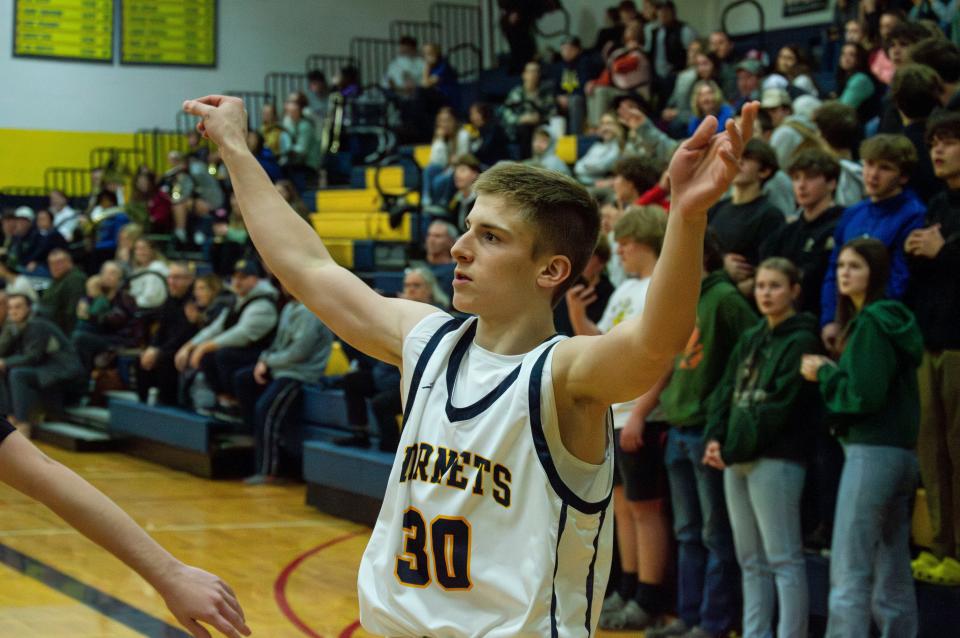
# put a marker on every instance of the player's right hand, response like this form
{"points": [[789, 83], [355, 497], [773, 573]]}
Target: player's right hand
{"points": [[223, 120]]}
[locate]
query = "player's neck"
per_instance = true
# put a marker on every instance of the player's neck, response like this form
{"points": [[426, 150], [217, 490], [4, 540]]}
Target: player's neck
{"points": [[514, 335]]}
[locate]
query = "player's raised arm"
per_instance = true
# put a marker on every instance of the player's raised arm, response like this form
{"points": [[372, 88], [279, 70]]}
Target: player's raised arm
{"points": [[191, 594], [293, 250], [628, 360]]}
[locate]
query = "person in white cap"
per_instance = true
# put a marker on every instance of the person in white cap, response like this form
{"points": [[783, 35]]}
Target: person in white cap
{"points": [[24, 240]]}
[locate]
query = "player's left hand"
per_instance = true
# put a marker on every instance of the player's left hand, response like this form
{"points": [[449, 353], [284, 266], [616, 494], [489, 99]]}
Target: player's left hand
{"points": [[193, 596], [703, 167]]}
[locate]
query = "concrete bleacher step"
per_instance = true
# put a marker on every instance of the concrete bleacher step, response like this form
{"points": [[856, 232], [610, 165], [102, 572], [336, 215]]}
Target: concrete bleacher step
{"points": [[346, 482], [181, 439], [89, 416], [75, 438]]}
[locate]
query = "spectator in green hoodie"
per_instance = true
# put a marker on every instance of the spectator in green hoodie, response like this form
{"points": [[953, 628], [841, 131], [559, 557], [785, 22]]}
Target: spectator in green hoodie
{"points": [[872, 398], [759, 418], [707, 592]]}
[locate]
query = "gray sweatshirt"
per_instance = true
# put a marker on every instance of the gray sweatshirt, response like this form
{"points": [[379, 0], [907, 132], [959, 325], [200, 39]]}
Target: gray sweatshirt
{"points": [[256, 320], [302, 346]]}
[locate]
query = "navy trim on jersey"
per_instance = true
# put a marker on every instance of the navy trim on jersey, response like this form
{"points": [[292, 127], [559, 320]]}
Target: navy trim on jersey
{"points": [[454, 413], [590, 574], [543, 450], [418, 370], [556, 565]]}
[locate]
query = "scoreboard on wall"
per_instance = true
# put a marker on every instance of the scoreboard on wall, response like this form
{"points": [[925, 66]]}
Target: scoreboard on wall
{"points": [[168, 32], [152, 32], [64, 29]]}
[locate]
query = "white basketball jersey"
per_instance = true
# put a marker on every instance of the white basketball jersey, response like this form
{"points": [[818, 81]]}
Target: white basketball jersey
{"points": [[478, 534]]}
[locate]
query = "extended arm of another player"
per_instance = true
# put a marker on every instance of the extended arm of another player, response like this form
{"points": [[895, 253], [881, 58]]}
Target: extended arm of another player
{"points": [[191, 594], [643, 348], [295, 253]]}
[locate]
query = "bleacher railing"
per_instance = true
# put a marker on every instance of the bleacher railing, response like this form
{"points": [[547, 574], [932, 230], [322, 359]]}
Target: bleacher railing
{"points": [[156, 144], [467, 59], [424, 32], [23, 191], [281, 84], [329, 64], [253, 101], [373, 56], [73, 182], [124, 160], [459, 24]]}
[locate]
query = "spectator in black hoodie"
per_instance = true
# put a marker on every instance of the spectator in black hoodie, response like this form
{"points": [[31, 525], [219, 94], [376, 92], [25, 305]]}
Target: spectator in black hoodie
{"points": [[916, 91], [808, 240], [491, 143], [155, 367], [934, 295]]}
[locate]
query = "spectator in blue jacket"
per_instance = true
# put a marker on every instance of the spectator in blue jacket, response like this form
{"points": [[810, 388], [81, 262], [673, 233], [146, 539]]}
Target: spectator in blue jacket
{"points": [[889, 213]]}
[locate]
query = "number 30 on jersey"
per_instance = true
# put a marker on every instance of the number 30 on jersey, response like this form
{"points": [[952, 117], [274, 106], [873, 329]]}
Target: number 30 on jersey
{"points": [[447, 540]]}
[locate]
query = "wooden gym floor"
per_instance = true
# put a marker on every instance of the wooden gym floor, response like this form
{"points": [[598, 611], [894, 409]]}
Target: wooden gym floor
{"points": [[292, 567]]}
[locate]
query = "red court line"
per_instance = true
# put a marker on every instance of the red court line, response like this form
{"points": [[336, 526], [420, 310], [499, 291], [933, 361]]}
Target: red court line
{"points": [[280, 587]]}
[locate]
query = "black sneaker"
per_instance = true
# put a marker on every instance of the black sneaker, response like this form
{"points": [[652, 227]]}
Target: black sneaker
{"points": [[354, 440]]}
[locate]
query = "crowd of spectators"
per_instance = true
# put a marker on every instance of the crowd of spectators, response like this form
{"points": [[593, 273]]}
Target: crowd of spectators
{"points": [[820, 383]]}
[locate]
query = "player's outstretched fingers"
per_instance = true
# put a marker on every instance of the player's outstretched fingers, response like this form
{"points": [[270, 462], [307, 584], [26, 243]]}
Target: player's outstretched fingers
{"points": [[196, 629], [748, 119], [231, 599], [701, 137], [233, 618]]}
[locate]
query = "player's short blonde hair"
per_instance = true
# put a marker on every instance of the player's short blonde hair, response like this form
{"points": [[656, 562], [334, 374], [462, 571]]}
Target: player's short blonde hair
{"points": [[563, 214]]}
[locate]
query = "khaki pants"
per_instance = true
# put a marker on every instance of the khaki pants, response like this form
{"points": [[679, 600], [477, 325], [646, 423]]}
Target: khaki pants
{"points": [[938, 447]]}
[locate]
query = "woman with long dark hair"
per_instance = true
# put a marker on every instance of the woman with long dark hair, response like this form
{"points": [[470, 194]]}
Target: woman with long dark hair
{"points": [[873, 403], [856, 85], [793, 63]]}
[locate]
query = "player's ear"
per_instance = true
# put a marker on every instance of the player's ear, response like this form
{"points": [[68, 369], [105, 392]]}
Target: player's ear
{"points": [[555, 271]]}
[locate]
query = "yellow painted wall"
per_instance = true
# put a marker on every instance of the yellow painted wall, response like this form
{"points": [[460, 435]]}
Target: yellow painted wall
{"points": [[26, 154]]}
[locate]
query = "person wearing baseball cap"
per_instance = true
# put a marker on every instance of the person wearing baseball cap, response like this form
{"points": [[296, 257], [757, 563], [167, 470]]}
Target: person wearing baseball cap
{"points": [[748, 74], [236, 338], [23, 243]]}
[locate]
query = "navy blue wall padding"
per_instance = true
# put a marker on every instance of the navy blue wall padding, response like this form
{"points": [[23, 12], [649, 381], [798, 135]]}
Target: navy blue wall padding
{"points": [[363, 472], [364, 255], [388, 282], [584, 142], [173, 426], [324, 407]]}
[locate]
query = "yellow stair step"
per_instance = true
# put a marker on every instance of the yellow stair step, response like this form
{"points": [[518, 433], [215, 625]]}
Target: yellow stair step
{"points": [[391, 179], [567, 148], [359, 225], [341, 250], [421, 154], [366, 200]]}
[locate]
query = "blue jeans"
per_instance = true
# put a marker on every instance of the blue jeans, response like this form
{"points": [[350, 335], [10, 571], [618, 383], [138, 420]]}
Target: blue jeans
{"points": [[870, 560], [707, 591], [763, 499]]}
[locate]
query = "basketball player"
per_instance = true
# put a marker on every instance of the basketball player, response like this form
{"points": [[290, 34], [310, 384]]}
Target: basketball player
{"points": [[192, 595], [496, 517]]}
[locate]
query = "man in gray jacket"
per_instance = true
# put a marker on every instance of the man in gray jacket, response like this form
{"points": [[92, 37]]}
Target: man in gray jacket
{"points": [[236, 338], [272, 389]]}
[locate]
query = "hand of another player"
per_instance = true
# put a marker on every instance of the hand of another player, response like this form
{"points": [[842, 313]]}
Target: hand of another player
{"points": [[703, 167], [223, 120], [194, 596], [631, 435], [711, 456]]}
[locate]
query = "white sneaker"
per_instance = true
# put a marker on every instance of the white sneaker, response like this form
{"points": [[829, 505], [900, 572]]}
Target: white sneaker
{"points": [[631, 616], [613, 602]]}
